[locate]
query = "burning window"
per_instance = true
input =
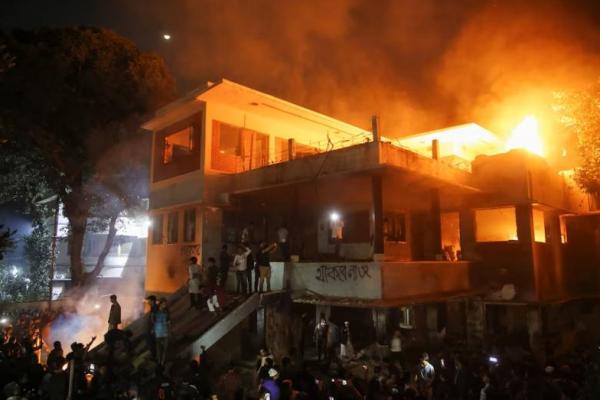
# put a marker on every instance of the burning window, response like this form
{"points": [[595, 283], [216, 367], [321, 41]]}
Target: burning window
{"points": [[173, 227], [189, 225], [178, 145], [281, 150], [238, 149], [394, 227], [230, 139], [450, 226], [563, 229], [496, 225], [539, 227], [157, 229]]}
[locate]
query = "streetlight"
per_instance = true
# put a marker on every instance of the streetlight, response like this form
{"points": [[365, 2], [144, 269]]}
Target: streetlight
{"points": [[166, 36], [334, 216]]}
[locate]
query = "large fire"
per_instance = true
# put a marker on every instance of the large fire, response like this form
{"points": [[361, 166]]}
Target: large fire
{"points": [[526, 136]]}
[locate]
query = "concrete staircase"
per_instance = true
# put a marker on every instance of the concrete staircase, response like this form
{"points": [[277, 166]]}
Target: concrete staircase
{"points": [[190, 328]]}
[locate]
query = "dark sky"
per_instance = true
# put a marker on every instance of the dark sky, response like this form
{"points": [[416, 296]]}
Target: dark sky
{"points": [[420, 64]]}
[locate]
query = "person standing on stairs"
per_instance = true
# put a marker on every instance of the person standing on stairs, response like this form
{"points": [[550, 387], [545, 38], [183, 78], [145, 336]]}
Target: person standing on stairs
{"points": [[194, 289], [162, 323], [239, 263], [114, 316], [211, 272], [263, 261]]}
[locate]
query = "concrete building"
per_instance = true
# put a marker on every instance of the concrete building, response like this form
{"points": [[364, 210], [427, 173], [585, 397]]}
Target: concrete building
{"points": [[444, 233]]}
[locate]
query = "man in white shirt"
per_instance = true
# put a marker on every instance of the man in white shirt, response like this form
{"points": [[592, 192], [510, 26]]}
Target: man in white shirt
{"points": [[240, 265], [194, 283]]}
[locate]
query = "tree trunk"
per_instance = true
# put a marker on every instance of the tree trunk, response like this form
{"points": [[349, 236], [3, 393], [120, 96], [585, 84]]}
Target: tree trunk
{"points": [[77, 227], [112, 232]]}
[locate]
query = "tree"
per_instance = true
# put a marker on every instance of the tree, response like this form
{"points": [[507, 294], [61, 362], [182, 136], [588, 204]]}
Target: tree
{"points": [[71, 100], [6, 240], [580, 114]]}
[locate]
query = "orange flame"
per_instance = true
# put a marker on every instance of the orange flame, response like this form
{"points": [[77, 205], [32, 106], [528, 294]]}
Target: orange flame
{"points": [[526, 136]]}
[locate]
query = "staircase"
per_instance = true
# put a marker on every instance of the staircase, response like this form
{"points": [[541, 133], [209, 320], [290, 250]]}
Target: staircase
{"points": [[191, 329]]}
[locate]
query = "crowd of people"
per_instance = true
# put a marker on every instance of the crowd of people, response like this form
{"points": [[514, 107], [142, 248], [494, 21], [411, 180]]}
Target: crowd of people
{"points": [[336, 371]]}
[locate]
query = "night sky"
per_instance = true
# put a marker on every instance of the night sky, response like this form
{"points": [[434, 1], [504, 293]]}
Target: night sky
{"points": [[419, 64]]}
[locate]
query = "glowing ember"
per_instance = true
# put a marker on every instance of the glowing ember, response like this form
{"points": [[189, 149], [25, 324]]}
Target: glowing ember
{"points": [[526, 136]]}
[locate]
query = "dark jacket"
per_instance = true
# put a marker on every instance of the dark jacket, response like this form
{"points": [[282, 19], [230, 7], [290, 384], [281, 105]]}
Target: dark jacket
{"points": [[114, 317]]}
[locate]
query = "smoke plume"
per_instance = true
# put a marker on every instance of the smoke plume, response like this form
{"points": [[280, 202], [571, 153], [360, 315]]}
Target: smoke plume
{"points": [[419, 64]]}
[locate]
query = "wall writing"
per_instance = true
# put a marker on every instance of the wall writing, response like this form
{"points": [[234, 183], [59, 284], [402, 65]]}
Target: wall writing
{"points": [[342, 273]]}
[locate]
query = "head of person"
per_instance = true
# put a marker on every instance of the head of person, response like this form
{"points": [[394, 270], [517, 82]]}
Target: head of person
{"points": [[273, 374], [241, 249], [424, 358], [57, 345], [262, 245], [397, 333], [162, 304], [224, 248], [113, 298], [347, 324], [212, 261], [151, 299], [262, 352], [193, 260]]}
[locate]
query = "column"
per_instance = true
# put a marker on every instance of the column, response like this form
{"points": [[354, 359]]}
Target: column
{"points": [[436, 227], [380, 322], [377, 220]]}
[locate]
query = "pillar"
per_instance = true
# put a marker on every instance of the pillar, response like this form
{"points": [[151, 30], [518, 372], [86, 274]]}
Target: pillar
{"points": [[467, 234], [475, 322], [435, 149], [260, 325], [436, 225], [380, 323], [535, 331], [291, 149], [431, 321], [377, 220]]}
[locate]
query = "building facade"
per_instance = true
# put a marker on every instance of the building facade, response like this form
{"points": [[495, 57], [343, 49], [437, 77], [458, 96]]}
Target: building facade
{"points": [[443, 233]]}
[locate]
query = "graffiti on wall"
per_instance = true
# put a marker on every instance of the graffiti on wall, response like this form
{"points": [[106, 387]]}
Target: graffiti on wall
{"points": [[343, 272]]}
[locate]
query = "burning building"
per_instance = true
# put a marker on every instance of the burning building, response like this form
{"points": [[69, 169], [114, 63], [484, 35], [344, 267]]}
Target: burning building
{"points": [[449, 232]]}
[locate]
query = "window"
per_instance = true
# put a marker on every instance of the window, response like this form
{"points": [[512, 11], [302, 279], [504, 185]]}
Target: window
{"points": [[173, 227], [406, 317], [394, 227], [450, 227], [539, 227], [563, 229], [230, 140], [282, 152], [178, 145], [157, 229], [189, 225], [238, 149], [496, 225], [356, 227]]}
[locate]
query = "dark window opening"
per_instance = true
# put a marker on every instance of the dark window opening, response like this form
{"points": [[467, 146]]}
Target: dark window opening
{"points": [[157, 229], [173, 227], [189, 225]]}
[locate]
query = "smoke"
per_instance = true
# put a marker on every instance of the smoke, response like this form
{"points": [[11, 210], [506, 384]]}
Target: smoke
{"points": [[419, 64], [85, 313]]}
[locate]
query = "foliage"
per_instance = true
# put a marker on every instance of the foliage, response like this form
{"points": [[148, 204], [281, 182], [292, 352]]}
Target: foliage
{"points": [[580, 114], [38, 253], [70, 108], [6, 240], [13, 288]]}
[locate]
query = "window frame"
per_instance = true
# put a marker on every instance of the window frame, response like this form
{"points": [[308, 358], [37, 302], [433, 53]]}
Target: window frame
{"points": [[158, 229], [186, 213], [515, 238], [173, 227]]}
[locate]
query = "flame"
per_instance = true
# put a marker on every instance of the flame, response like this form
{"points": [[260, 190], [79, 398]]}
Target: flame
{"points": [[526, 136]]}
